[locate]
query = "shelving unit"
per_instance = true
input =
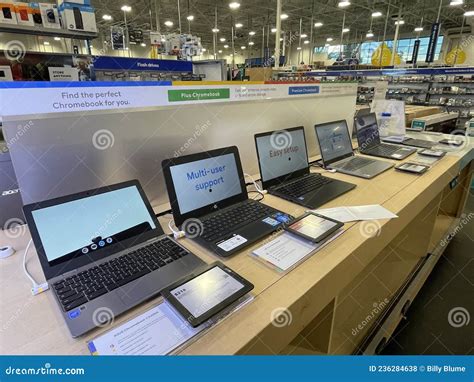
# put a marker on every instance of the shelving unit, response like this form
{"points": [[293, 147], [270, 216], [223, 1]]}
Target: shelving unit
{"points": [[50, 32]]}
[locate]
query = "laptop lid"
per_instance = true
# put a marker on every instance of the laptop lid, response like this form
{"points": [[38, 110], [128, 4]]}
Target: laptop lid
{"points": [[367, 130], [76, 230], [334, 141], [201, 183], [282, 155]]}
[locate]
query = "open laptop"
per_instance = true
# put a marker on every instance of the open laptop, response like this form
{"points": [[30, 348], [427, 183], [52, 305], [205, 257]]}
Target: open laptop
{"points": [[210, 203], [103, 252], [369, 140], [285, 171], [336, 152]]}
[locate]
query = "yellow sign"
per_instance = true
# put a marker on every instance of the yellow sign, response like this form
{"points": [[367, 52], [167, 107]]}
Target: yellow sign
{"points": [[455, 56], [382, 56]]}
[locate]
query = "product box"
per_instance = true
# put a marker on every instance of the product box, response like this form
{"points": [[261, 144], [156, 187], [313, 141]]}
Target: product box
{"points": [[77, 17], [50, 15], [7, 12], [24, 14], [80, 2]]}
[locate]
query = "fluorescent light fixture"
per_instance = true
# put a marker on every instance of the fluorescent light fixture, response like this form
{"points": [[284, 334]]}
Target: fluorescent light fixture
{"points": [[239, 25], [243, 47], [234, 5], [215, 30], [345, 30], [376, 14], [284, 16], [298, 48], [418, 29], [456, 2], [468, 13], [251, 33], [251, 43], [318, 24], [343, 4], [226, 46], [306, 42], [399, 22], [274, 30], [219, 51], [169, 23], [126, 8], [281, 38], [369, 34], [303, 35], [143, 44], [190, 18], [46, 43], [106, 17], [204, 49], [57, 39], [329, 39], [222, 39]]}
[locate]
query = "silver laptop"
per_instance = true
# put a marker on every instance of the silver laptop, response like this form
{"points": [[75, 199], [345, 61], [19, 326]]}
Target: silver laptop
{"points": [[103, 252], [336, 152]]}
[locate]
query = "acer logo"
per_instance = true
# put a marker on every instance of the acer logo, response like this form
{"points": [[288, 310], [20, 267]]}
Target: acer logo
{"points": [[10, 192]]}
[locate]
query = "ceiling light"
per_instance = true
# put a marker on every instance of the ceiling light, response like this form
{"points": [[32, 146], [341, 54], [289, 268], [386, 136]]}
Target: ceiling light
{"points": [[204, 49], [399, 22], [106, 17], [215, 30], [318, 24], [376, 14], [418, 29], [303, 35], [126, 8], [274, 30], [169, 23], [91, 46], [284, 16], [369, 34], [222, 39], [163, 40], [243, 47], [329, 39], [469, 13], [456, 2], [219, 51], [281, 38], [251, 33], [343, 4], [143, 44], [190, 18], [345, 30], [46, 43], [57, 38], [234, 5], [239, 25], [251, 43], [226, 46], [306, 42], [298, 48]]}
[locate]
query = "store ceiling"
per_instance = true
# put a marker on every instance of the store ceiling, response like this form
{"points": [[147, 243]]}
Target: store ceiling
{"points": [[255, 15]]}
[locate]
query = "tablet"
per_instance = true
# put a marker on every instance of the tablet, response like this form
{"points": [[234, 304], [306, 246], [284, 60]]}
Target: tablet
{"points": [[414, 168], [203, 294], [451, 142], [432, 153], [313, 227]]}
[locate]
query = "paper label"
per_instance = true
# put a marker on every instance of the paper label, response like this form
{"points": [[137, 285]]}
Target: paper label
{"points": [[232, 243]]}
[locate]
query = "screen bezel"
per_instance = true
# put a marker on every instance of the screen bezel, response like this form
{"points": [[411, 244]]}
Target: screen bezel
{"points": [[321, 237], [376, 141], [337, 159], [67, 265], [166, 165], [289, 176], [186, 314]]}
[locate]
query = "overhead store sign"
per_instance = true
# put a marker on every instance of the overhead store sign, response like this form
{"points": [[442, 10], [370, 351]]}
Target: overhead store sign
{"points": [[141, 64], [58, 97], [432, 43]]}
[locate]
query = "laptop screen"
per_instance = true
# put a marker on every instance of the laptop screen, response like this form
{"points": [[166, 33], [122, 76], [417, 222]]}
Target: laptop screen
{"points": [[367, 131], [86, 225], [205, 182], [281, 153], [334, 141]]}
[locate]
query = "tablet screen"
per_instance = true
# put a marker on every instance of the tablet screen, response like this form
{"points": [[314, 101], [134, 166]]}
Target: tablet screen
{"points": [[312, 226], [413, 167], [207, 290]]}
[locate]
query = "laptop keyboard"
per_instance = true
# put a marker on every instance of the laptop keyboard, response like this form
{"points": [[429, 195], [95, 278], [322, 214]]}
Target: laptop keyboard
{"points": [[356, 163], [92, 283], [303, 185], [229, 220]]}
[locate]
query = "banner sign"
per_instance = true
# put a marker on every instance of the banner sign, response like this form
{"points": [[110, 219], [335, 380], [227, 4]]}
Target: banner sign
{"points": [[141, 64], [416, 49], [432, 43]]}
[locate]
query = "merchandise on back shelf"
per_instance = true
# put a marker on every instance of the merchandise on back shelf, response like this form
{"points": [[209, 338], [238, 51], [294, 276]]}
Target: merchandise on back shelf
{"points": [[50, 15], [80, 2], [7, 14], [78, 17], [36, 13], [24, 14]]}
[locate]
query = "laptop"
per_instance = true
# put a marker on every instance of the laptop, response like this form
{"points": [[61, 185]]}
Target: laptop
{"points": [[369, 140], [104, 252], [285, 171], [405, 141], [210, 202], [336, 152]]}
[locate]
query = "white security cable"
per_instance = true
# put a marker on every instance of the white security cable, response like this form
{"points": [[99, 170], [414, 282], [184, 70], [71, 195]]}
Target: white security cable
{"points": [[36, 288], [176, 234], [257, 187]]}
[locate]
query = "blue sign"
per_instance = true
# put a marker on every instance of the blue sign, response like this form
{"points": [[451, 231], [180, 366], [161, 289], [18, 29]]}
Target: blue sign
{"points": [[79, 84], [141, 64], [432, 43], [392, 72], [298, 90]]}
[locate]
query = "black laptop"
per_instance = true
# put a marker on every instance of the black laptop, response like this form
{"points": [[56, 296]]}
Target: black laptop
{"points": [[210, 203], [368, 139], [285, 171], [103, 252]]}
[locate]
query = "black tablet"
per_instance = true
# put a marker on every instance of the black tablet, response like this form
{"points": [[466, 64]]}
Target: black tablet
{"points": [[432, 153], [414, 168], [203, 294], [451, 142], [313, 227]]}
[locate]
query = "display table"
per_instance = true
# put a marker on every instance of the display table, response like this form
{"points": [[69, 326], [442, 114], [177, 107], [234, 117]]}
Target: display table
{"points": [[321, 306]]}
